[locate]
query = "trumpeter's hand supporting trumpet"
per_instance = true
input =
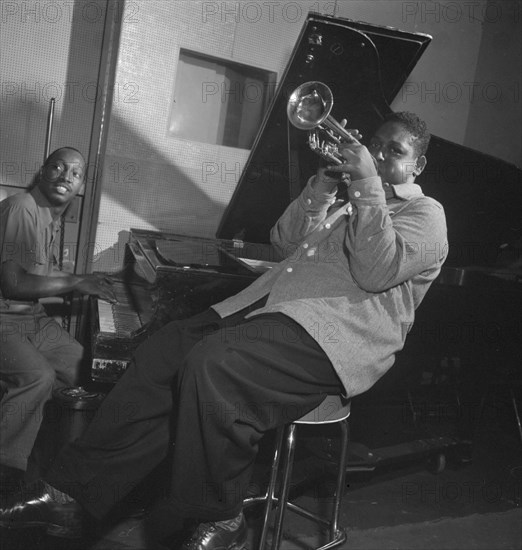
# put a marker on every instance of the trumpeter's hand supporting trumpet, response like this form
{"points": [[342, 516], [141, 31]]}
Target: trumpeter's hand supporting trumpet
{"points": [[357, 163]]}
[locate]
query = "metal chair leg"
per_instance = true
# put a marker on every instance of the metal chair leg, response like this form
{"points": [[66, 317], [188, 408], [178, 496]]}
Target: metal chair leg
{"points": [[341, 478], [269, 497], [288, 460]]}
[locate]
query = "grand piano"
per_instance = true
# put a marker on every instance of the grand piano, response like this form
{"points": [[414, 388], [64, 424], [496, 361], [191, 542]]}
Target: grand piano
{"points": [[170, 276]]}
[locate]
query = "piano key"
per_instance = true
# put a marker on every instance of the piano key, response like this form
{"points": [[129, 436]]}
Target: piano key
{"points": [[106, 317]]}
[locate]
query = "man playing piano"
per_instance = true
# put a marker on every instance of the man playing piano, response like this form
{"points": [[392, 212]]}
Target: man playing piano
{"points": [[36, 354], [327, 320]]}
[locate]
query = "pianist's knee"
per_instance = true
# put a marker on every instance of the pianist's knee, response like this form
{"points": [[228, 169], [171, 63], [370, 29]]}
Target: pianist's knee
{"points": [[37, 384]]}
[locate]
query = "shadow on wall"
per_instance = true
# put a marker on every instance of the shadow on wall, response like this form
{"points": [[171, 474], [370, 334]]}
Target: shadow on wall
{"points": [[142, 188], [112, 259]]}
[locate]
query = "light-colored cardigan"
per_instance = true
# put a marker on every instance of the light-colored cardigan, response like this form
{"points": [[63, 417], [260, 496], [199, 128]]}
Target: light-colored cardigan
{"points": [[353, 273]]}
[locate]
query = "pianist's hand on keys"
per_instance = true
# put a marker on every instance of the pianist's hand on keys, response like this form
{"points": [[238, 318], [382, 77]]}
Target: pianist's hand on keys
{"points": [[97, 284], [121, 319]]}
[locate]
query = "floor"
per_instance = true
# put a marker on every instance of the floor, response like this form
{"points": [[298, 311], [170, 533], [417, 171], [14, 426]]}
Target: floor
{"points": [[465, 497]]}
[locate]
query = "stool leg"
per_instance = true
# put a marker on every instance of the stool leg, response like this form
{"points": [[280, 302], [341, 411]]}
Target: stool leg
{"points": [[341, 477], [285, 486], [270, 491]]}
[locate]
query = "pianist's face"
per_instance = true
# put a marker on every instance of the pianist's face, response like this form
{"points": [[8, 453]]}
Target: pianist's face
{"points": [[393, 147], [62, 176]]}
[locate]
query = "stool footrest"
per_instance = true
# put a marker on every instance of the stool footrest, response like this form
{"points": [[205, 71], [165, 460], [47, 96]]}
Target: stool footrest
{"points": [[307, 514], [277, 501]]}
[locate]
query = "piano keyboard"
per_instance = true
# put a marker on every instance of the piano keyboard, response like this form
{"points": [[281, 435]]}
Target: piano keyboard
{"points": [[114, 330], [120, 320]]}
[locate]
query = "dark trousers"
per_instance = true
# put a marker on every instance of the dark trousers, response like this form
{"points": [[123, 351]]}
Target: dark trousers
{"points": [[206, 389]]}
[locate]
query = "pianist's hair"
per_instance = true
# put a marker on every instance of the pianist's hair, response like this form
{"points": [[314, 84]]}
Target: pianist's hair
{"points": [[60, 149], [415, 126]]}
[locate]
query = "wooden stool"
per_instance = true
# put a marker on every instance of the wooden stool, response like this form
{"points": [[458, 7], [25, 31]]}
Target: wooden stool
{"points": [[333, 410]]}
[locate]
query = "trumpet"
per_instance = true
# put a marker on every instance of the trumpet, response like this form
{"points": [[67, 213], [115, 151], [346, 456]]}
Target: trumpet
{"points": [[309, 108]]}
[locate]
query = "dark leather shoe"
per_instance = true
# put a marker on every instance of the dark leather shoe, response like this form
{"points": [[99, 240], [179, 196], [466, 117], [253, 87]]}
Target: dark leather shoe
{"points": [[211, 536], [34, 507]]}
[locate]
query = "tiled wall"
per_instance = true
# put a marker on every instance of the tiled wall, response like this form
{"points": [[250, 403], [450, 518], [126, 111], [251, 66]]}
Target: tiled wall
{"points": [[48, 49]]}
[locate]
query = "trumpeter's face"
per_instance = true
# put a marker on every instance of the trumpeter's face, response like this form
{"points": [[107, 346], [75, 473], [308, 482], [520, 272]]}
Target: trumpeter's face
{"points": [[393, 147]]}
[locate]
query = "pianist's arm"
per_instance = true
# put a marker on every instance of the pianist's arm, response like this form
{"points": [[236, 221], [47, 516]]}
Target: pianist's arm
{"points": [[18, 283]]}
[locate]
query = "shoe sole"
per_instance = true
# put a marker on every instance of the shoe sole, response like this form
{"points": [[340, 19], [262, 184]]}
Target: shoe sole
{"points": [[18, 525], [239, 544], [62, 532], [51, 529]]}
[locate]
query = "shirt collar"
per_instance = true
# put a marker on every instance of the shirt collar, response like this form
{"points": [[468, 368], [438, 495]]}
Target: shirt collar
{"points": [[404, 191]]}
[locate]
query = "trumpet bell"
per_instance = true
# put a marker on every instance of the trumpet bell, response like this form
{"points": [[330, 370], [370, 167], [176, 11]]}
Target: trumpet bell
{"points": [[308, 108], [309, 105]]}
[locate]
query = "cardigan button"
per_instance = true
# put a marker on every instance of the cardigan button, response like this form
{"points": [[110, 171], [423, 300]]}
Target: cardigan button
{"points": [[289, 269]]}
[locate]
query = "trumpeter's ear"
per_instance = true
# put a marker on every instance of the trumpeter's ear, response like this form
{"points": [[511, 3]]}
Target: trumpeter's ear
{"points": [[420, 164]]}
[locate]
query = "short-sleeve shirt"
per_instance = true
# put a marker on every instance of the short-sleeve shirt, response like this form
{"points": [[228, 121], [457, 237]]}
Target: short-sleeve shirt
{"points": [[27, 236]]}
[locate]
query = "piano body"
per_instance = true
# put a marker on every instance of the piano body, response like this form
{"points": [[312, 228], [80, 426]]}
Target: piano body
{"points": [[166, 277], [174, 276]]}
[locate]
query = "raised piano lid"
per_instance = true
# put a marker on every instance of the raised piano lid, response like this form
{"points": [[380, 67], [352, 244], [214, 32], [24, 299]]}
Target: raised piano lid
{"points": [[365, 66]]}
